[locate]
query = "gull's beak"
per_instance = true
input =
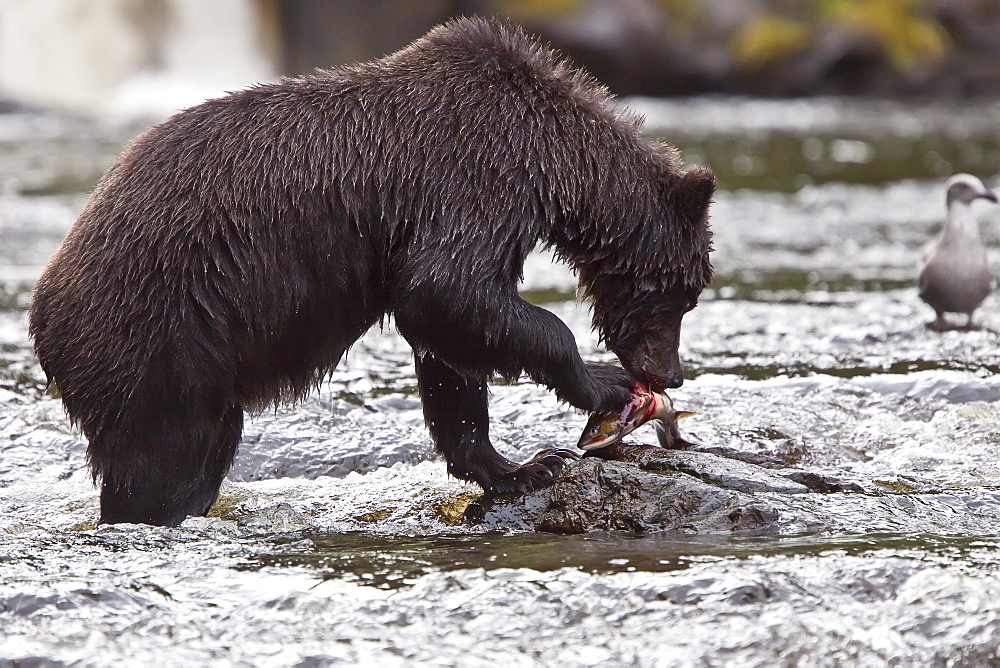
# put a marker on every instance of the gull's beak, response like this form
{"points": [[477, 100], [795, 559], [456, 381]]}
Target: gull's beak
{"points": [[683, 414], [990, 195]]}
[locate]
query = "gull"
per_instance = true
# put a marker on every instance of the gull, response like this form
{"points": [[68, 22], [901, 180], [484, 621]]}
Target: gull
{"points": [[955, 275]]}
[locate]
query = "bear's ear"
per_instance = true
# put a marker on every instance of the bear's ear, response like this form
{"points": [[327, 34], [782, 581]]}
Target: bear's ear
{"points": [[693, 194]]}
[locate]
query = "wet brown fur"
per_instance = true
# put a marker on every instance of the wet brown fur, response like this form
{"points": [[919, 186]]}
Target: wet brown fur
{"points": [[235, 252]]}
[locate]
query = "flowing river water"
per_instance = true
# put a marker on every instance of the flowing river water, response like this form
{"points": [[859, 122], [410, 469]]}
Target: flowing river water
{"points": [[338, 536]]}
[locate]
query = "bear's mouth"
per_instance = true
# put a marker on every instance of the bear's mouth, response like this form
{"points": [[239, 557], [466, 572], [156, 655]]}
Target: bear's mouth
{"points": [[653, 381]]}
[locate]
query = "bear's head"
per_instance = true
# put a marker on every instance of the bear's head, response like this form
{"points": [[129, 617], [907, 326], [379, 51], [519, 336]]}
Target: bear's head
{"points": [[638, 305]]}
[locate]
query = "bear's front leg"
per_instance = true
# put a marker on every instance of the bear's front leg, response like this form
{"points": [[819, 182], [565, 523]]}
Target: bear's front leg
{"points": [[457, 414], [481, 330]]}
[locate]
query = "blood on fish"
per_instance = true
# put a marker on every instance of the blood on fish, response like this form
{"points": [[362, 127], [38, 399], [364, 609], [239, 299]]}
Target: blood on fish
{"points": [[603, 429]]}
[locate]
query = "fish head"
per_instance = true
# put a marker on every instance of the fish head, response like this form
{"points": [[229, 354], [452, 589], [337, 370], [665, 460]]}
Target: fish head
{"points": [[603, 429]]}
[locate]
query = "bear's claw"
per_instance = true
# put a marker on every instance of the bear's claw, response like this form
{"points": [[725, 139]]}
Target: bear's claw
{"points": [[539, 471]]}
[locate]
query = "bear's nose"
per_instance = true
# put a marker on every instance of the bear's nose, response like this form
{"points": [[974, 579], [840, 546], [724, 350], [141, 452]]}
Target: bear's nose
{"points": [[659, 382], [674, 379]]}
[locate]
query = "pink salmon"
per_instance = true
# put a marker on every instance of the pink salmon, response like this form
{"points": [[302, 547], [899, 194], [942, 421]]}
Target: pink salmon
{"points": [[603, 429]]}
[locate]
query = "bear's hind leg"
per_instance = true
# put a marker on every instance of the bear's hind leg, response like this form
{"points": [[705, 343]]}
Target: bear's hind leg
{"points": [[457, 414], [162, 478]]}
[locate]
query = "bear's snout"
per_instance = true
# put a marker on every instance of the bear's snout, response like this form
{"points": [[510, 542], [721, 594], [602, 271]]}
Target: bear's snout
{"points": [[657, 362], [675, 379], [657, 382]]}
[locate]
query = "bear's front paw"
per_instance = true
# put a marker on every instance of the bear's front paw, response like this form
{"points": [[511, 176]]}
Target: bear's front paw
{"points": [[535, 474], [612, 387]]}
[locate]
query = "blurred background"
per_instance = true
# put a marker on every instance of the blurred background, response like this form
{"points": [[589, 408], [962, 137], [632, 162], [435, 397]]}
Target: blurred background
{"points": [[134, 57], [127, 63]]}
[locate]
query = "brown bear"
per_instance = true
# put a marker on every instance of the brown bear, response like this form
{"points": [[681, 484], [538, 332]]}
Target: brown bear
{"points": [[235, 252]]}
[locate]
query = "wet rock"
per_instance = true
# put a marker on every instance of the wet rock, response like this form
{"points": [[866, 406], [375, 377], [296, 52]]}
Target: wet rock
{"points": [[649, 489], [748, 457], [817, 482], [641, 488], [213, 526], [281, 518]]}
